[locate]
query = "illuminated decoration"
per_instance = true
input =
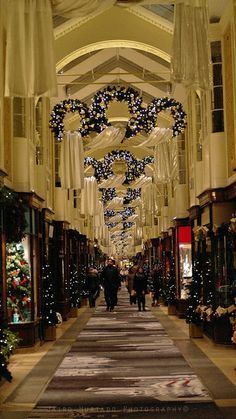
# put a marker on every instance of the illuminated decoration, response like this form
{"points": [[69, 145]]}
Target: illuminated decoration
{"points": [[103, 169], [102, 99], [171, 297], [176, 109], [49, 299], [99, 169], [75, 298], [121, 235], [126, 224], [109, 213], [128, 212], [111, 225], [59, 112], [131, 195], [95, 119], [194, 299], [108, 194]]}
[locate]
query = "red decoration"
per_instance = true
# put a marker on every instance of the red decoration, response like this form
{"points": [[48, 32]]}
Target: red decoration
{"points": [[184, 235]]}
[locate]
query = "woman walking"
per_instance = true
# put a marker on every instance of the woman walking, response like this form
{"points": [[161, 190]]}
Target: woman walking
{"points": [[92, 285], [130, 284], [140, 286]]}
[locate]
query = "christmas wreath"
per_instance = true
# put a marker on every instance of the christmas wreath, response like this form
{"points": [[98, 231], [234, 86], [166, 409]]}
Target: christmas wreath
{"points": [[95, 119], [59, 112], [160, 104], [103, 169]]}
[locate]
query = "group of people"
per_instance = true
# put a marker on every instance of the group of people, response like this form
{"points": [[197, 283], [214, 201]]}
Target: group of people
{"points": [[109, 279], [136, 280]]}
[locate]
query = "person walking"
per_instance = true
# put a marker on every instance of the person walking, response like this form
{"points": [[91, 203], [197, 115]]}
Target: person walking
{"points": [[111, 282], [92, 285], [156, 284], [130, 284], [140, 286]]}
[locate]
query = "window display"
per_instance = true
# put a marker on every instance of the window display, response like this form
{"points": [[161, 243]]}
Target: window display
{"points": [[185, 264], [18, 282]]}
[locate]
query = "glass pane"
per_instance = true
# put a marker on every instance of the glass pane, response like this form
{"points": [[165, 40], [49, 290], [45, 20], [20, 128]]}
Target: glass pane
{"points": [[218, 97], [19, 117], [216, 52], [18, 271], [218, 121], [217, 75], [185, 265]]}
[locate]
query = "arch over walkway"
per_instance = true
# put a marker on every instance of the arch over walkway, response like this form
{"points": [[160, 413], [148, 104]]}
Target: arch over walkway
{"points": [[118, 43]]}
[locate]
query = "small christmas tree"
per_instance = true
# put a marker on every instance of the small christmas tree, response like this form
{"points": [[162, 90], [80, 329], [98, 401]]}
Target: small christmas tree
{"points": [[82, 282], [8, 342], [74, 287], [171, 297], [49, 301], [18, 281], [194, 299], [209, 281]]}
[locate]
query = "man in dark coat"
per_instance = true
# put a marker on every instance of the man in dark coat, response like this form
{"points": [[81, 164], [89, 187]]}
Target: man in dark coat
{"points": [[111, 283], [92, 285]]}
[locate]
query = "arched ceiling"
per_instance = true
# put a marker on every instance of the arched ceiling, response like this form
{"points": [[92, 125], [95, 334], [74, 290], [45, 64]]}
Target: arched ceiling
{"points": [[127, 46]]}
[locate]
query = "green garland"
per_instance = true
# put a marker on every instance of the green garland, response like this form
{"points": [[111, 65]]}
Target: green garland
{"points": [[59, 112], [95, 119], [13, 213], [103, 169]]}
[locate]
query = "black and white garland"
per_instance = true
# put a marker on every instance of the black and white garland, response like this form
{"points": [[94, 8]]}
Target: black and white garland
{"points": [[103, 169], [176, 110], [126, 224], [59, 112], [103, 98], [128, 212], [131, 195], [95, 119], [108, 194]]}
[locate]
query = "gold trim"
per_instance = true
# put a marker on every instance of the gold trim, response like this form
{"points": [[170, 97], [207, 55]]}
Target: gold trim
{"points": [[118, 43]]}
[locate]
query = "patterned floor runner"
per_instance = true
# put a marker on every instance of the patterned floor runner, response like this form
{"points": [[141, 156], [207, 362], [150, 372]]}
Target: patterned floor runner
{"points": [[123, 364]]}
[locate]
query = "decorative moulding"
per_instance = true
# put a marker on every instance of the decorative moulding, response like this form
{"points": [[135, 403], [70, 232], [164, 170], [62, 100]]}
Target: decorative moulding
{"points": [[152, 18]]}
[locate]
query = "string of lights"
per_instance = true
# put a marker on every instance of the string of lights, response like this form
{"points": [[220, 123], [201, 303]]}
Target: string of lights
{"points": [[94, 118], [103, 168]]}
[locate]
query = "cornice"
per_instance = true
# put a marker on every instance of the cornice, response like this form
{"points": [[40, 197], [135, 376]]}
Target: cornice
{"points": [[73, 24], [194, 212], [141, 12], [212, 195], [32, 199], [152, 18]]}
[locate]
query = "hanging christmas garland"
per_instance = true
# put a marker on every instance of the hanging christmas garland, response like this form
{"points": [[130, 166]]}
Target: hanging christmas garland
{"points": [[160, 104], [128, 212], [95, 119], [108, 194], [128, 224], [101, 101], [59, 112], [103, 169], [13, 210], [131, 195], [125, 225]]}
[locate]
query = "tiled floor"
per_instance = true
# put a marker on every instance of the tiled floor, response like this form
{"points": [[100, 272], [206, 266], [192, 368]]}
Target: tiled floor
{"points": [[23, 365]]}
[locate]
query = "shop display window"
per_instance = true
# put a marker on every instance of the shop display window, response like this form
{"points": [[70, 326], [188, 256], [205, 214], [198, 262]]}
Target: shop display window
{"points": [[226, 257], [19, 286], [184, 241], [185, 264]]}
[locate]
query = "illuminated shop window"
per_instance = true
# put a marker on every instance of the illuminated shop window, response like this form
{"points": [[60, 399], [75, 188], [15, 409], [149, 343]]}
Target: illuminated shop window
{"points": [[18, 282]]}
